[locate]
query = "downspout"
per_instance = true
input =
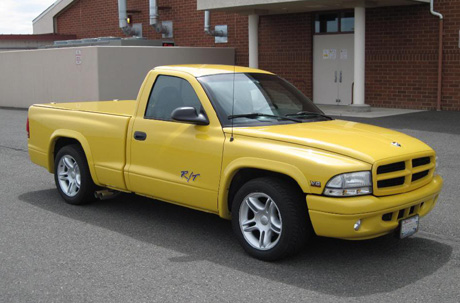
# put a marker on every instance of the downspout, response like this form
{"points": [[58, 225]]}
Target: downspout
{"points": [[122, 17], [207, 26], [154, 18], [253, 44], [440, 49]]}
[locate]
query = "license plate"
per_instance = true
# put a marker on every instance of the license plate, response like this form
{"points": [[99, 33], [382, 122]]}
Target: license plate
{"points": [[408, 227]]}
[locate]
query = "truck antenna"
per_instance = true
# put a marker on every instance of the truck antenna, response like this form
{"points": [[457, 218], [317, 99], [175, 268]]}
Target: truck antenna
{"points": [[233, 101]]}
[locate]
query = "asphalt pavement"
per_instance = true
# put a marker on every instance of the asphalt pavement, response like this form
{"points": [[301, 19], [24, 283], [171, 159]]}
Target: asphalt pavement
{"points": [[132, 249]]}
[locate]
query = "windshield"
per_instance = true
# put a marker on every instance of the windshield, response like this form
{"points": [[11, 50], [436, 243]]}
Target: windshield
{"points": [[253, 99]]}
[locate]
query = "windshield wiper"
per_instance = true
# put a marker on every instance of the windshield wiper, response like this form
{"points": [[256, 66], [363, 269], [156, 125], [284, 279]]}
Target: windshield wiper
{"points": [[256, 115], [305, 113]]}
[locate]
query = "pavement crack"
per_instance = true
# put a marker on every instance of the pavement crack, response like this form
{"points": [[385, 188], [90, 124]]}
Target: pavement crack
{"points": [[14, 148]]}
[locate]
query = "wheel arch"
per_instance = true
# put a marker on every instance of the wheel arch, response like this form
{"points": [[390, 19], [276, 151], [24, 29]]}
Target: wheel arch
{"points": [[242, 170], [61, 138]]}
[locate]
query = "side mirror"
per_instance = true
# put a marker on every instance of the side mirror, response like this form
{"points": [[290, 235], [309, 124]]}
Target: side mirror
{"points": [[189, 114]]}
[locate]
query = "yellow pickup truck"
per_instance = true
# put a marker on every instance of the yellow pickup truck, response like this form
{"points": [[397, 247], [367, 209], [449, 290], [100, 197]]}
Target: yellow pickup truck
{"points": [[243, 144]]}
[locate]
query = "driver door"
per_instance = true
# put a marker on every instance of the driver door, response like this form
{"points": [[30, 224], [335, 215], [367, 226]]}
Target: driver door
{"points": [[175, 161]]}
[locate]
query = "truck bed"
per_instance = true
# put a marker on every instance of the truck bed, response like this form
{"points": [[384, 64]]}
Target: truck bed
{"points": [[115, 107], [100, 127]]}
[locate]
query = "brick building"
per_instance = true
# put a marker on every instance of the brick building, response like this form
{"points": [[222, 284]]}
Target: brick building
{"points": [[316, 45]]}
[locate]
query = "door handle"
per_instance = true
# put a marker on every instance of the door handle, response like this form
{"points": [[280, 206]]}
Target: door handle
{"points": [[340, 77], [140, 136], [335, 81]]}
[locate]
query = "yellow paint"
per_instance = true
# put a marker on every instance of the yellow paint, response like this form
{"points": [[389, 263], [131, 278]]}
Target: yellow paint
{"points": [[197, 70], [114, 107], [335, 217], [305, 152]]}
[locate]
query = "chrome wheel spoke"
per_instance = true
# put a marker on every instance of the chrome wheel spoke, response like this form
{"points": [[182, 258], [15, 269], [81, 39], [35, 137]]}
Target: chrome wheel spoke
{"points": [[274, 228], [275, 224], [68, 176], [69, 189], [262, 239], [260, 221], [68, 162], [250, 229], [272, 209], [254, 205], [64, 177], [249, 225], [269, 205], [267, 238], [248, 222]]}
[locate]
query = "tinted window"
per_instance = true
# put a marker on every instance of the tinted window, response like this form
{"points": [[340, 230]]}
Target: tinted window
{"points": [[331, 23], [246, 93], [169, 93], [327, 23], [347, 22]]}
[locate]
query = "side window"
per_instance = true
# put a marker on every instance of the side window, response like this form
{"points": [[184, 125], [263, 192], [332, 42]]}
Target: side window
{"points": [[169, 93]]}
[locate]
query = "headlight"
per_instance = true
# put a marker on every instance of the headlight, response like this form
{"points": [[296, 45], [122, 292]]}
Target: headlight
{"points": [[350, 184]]}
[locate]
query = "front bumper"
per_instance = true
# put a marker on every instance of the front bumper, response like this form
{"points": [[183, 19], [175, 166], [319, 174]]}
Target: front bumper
{"points": [[335, 217]]}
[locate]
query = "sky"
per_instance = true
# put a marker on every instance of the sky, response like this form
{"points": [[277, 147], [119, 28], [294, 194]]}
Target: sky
{"points": [[16, 15]]}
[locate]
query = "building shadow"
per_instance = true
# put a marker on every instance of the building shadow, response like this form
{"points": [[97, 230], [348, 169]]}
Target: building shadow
{"points": [[330, 266]]}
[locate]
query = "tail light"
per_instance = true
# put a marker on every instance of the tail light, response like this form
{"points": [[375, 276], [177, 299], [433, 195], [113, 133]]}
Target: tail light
{"points": [[27, 128]]}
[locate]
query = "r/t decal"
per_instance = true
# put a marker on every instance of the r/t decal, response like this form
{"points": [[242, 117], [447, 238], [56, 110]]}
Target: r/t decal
{"points": [[185, 174]]}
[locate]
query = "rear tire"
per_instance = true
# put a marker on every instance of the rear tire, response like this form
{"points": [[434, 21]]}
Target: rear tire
{"points": [[270, 218], [72, 177]]}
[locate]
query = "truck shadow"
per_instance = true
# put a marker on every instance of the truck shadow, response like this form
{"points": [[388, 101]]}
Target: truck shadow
{"points": [[335, 267]]}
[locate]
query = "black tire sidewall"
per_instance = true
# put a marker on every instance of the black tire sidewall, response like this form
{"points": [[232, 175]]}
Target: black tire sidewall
{"points": [[86, 192]]}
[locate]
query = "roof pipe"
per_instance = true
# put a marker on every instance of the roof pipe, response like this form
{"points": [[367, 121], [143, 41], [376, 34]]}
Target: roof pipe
{"points": [[207, 26], [154, 18], [440, 55], [123, 19], [253, 43]]}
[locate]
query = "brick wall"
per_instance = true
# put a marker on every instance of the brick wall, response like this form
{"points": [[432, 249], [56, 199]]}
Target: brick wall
{"points": [[285, 48], [451, 68], [99, 18], [401, 44], [401, 57]]}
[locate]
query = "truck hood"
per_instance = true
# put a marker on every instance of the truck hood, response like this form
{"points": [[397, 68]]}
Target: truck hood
{"points": [[356, 140]]}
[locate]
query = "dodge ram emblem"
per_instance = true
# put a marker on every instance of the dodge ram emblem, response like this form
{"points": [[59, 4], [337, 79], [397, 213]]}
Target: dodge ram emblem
{"points": [[396, 144]]}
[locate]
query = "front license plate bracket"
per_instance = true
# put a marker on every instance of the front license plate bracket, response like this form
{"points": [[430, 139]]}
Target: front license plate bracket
{"points": [[408, 227]]}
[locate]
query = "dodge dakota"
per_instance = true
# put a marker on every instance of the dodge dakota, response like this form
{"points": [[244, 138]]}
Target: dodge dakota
{"points": [[243, 144]]}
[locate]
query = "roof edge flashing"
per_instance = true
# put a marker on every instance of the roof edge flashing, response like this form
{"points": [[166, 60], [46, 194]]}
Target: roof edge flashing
{"points": [[51, 9], [288, 6]]}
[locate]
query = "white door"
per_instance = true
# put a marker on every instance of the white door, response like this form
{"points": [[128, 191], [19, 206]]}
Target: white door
{"points": [[333, 69]]}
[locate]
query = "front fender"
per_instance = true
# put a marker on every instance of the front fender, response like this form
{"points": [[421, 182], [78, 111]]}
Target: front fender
{"points": [[255, 163]]}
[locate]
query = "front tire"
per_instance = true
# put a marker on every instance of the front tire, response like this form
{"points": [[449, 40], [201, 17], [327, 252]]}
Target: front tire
{"points": [[270, 218], [72, 177]]}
